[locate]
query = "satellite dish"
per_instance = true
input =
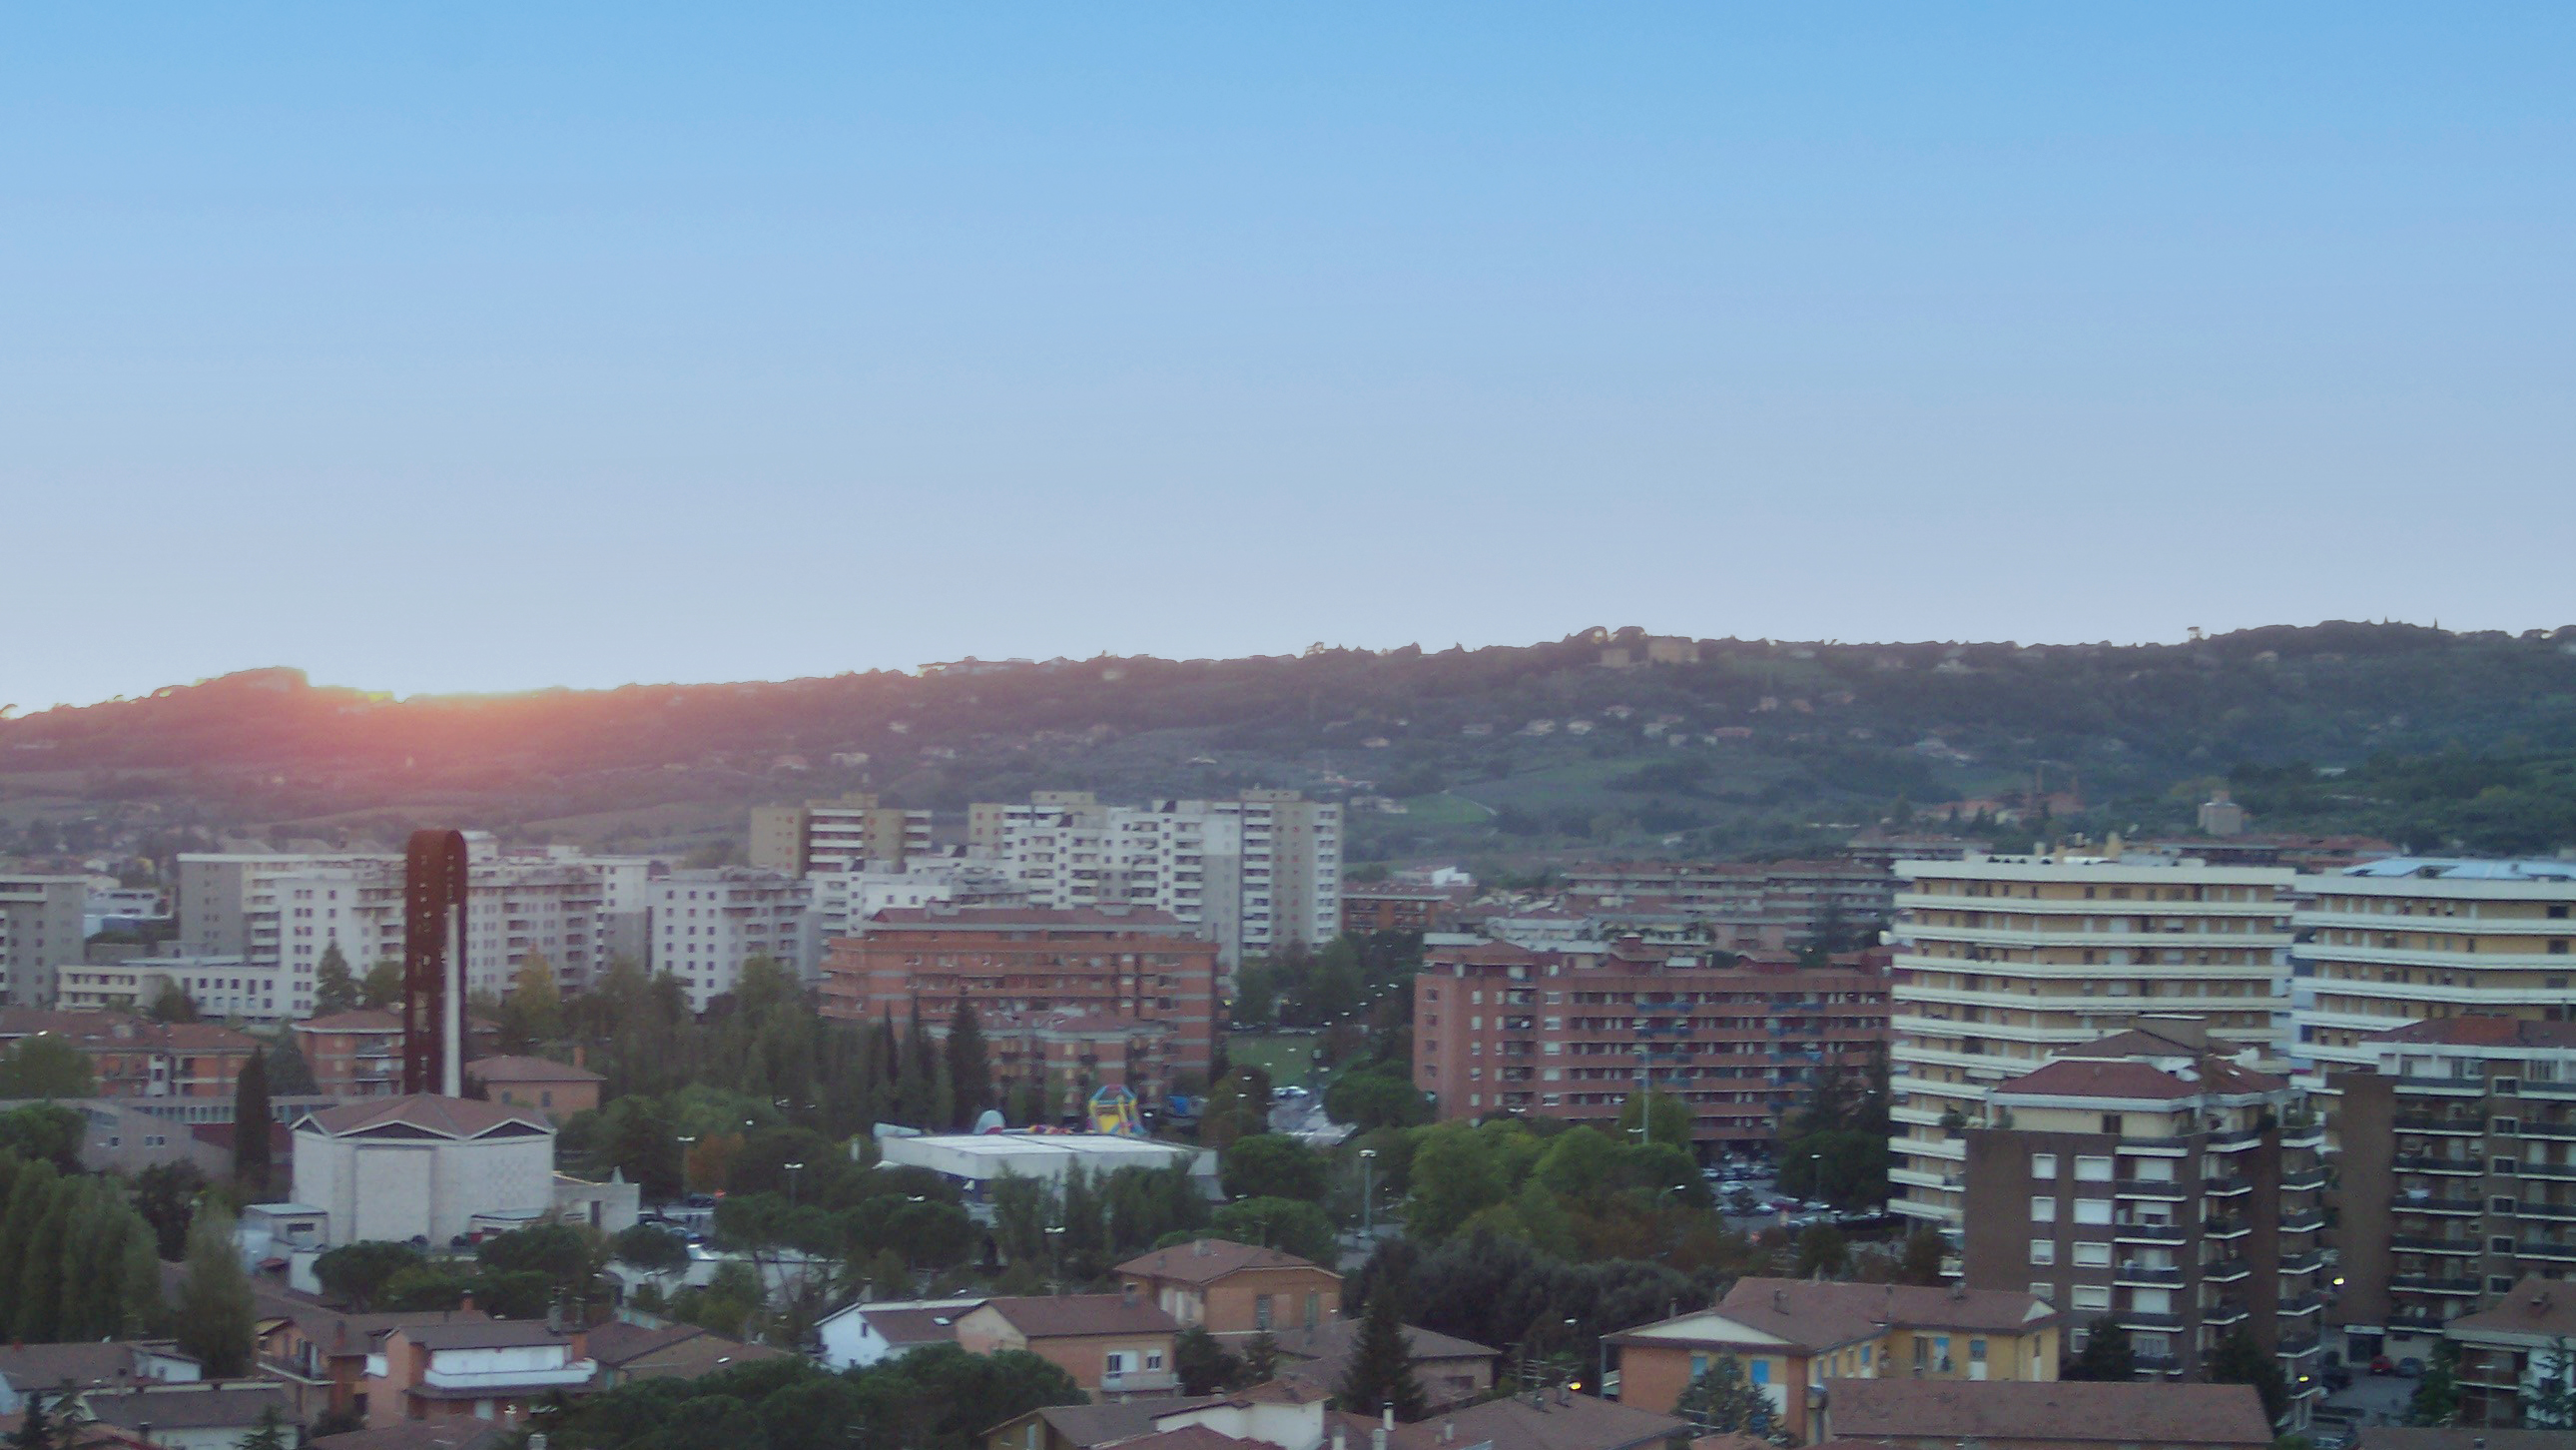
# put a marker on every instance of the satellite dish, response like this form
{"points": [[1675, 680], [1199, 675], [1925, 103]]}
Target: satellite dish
{"points": [[990, 1122]]}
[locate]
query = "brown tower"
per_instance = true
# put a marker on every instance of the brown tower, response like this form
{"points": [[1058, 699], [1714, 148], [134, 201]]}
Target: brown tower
{"points": [[434, 892]]}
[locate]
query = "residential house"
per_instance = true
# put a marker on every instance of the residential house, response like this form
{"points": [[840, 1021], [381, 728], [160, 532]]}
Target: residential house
{"points": [[193, 1415], [322, 1356], [626, 1353], [55, 1369], [2004, 1415], [1278, 1415], [2510, 1352], [133, 1057], [496, 1370], [1230, 1288], [1451, 1371], [865, 1334], [1547, 1420], [557, 1089], [1112, 1344], [419, 1435], [1792, 1334]]}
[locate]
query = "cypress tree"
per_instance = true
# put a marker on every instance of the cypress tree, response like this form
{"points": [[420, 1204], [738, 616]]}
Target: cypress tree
{"points": [[138, 1281], [970, 1065], [250, 1125], [916, 1086], [40, 1284], [29, 1197], [214, 1323], [334, 989], [1380, 1376]]}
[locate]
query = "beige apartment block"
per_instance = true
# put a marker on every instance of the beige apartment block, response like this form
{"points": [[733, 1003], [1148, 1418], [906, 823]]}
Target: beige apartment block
{"points": [[2002, 961]]}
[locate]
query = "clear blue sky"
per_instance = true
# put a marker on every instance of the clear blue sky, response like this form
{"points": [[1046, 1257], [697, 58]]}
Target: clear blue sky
{"points": [[732, 341]]}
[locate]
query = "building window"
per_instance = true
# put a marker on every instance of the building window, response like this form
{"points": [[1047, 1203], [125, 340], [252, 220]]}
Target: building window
{"points": [[2092, 1296], [2043, 1210], [2092, 1210], [2043, 1251], [2092, 1256], [1261, 1311], [2092, 1170], [2043, 1165]]}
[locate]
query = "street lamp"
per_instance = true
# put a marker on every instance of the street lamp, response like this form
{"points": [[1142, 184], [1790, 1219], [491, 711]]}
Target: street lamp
{"points": [[687, 1141], [1368, 1192], [1055, 1250], [792, 1170]]}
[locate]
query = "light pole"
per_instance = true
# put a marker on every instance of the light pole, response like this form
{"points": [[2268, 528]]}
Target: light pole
{"points": [[1368, 1192], [687, 1141], [792, 1170], [1055, 1250]]}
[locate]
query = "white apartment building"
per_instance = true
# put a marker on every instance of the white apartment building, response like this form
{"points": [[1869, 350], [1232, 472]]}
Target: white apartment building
{"points": [[706, 924], [42, 930], [853, 833], [2386, 943], [840, 898], [2003, 960], [1254, 874], [225, 989], [108, 903]]}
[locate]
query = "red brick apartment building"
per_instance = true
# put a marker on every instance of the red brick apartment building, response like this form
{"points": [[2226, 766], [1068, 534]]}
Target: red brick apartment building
{"points": [[1069, 999], [134, 1057], [1567, 1034], [1396, 908]]}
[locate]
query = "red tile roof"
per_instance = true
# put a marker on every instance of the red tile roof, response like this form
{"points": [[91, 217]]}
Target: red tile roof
{"points": [[1056, 1316], [1204, 1261], [528, 1069], [447, 1117], [2075, 1077], [2055, 1412], [2483, 1032]]}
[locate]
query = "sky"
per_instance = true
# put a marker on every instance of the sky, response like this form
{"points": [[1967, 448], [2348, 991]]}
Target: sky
{"points": [[454, 347]]}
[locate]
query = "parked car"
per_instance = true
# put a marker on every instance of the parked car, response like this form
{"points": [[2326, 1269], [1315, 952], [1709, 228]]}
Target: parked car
{"points": [[2336, 1377], [2410, 1368], [2381, 1365]]}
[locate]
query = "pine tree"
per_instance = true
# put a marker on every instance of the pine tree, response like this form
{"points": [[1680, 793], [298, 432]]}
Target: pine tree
{"points": [[214, 1323], [29, 1197], [2549, 1400], [1722, 1401], [1380, 1376], [35, 1432], [2107, 1355], [970, 1065], [271, 1434], [334, 989], [2437, 1394], [916, 1087], [250, 1125]]}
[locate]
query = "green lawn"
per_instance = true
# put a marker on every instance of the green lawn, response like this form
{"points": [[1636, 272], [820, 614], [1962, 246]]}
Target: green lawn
{"points": [[1287, 1057]]}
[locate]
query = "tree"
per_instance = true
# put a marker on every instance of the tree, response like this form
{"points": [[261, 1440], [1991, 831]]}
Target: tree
{"points": [[970, 1066], [1203, 1364], [172, 1003], [166, 1194], [1455, 1174], [2107, 1355], [289, 1075], [1237, 1107], [1271, 1165], [2239, 1360], [251, 1124], [1822, 1252], [1666, 1118], [213, 1320], [382, 987], [1921, 1261], [2549, 1397], [1371, 1099], [2437, 1394], [1845, 1167], [533, 1010], [334, 989], [1720, 1401], [35, 1431], [355, 1274], [916, 1087], [48, 1131], [46, 1066], [270, 1435], [1380, 1376], [653, 1249], [1290, 1225]]}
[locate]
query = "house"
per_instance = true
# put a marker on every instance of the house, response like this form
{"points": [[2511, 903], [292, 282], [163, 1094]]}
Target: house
{"points": [[353, 1054], [1545, 1420], [626, 1353], [54, 1369], [2510, 1350], [1451, 1371], [198, 1415], [419, 1435], [2458, 1437], [1931, 1414], [557, 1089], [1277, 1415], [1230, 1288], [424, 1166], [1791, 1334], [1112, 1344], [321, 1355], [866, 1334], [495, 1370]]}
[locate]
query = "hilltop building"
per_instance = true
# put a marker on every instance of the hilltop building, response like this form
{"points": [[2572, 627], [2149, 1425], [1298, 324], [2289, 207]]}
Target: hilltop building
{"points": [[855, 833]]}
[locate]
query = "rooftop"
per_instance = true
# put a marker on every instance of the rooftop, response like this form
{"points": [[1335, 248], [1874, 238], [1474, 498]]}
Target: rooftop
{"points": [[2055, 1411], [1556, 1422], [2537, 1308], [2482, 1032], [426, 1113], [484, 1334], [528, 1069], [1204, 1261], [2454, 868], [1061, 1315], [1805, 1314], [191, 1406]]}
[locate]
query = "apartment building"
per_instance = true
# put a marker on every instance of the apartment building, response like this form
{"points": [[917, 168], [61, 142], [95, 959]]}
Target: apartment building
{"points": [[857, 832], [2410, 939], [1571, 1033], [228, 988], [2004, 961], [1068, 1000], [42, 930], [2458, 1169], [839, 898], [1778, 901], [1256, 874], [132, 1057], [2516, 1355], [2154, 1180], [706, 924]]}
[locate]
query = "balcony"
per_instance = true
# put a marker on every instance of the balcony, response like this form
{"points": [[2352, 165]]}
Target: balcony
{"points": [[2303, 1263], [2297, 1348], [2147, 1233], [2304, 1221], [2225, 1271], [2561, 1212], [2223, 1313], [2422, 1163], [2233, 1139], [2225, 1228], [2147, 1276], [2303, 1181], [2532, 1129], [2408, 1203], [1140, 1382], [2148, 1188], [2466, 1127], [508, 1381], [2418, 1243], [2228, 1187], [2141, 1319], [2553, 1253], [2427, 1284], [2294, 1306], [2549, 1170]]}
